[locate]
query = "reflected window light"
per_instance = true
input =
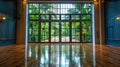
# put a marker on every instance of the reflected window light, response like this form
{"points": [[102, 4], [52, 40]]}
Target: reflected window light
{"points": [[30, 53]]}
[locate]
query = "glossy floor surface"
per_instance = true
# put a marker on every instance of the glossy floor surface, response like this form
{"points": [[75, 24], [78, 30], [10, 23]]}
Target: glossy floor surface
{"points": [[59, 55]]}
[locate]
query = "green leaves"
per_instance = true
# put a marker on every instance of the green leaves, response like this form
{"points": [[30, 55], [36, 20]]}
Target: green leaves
{"points": [[59, 16]]}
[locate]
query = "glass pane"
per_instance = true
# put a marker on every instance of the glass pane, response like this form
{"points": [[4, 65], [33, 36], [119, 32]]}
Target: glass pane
{"points": [[54, 31], [55, 17], [65, 17], [75, 17], [44, 17], [33, 25], [86, 8], [33, 11], [44, 32], [86, 31], [33, 17], [33, 5], [65, 29], [42, 11], [78, 8], [46, 9], [33, 38], [45, 6], [86, 17], [75, 31]]}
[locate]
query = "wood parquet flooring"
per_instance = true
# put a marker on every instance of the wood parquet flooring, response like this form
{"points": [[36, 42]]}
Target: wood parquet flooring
{"points": [[74, 55]]}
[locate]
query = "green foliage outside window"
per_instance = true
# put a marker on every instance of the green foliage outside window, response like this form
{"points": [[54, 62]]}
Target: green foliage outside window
{"points": [[36, 9]]}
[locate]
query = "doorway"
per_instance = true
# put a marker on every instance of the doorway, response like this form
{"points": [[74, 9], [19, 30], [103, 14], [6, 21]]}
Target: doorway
{"points": [[60, 22]]}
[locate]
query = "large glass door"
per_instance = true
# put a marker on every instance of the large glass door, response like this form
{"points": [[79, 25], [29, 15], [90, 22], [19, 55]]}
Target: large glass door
{"points": [[44, 32], [60, 22], [55, 32], [65, 31], [76, 32]]}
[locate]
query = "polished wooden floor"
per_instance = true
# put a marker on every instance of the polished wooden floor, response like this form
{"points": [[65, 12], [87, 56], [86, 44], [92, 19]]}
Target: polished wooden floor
{"points": [[60, 55]]}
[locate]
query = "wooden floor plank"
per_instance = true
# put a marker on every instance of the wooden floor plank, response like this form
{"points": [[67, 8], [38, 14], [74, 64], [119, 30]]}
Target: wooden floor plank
{"points": [[76, 54]]}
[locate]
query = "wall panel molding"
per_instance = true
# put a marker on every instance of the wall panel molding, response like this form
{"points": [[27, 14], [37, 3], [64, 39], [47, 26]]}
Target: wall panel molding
{"points": [[21, 22], [99, 22]]}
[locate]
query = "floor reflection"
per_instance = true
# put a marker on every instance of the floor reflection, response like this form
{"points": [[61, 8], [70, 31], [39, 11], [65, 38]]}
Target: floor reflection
{"points": [[60, 55]]}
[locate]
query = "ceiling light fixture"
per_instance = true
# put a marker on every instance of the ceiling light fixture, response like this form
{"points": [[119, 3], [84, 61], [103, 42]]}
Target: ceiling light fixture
{"points": [[95, 0]]}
